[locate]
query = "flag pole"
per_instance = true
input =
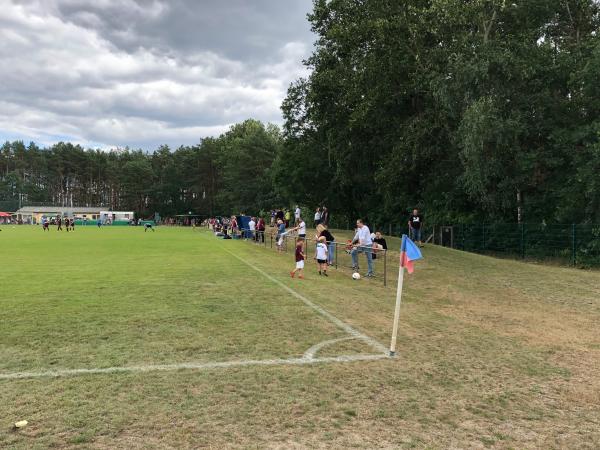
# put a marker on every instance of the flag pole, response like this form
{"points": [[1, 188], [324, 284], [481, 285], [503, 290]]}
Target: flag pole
{"points": [[398, 300]]}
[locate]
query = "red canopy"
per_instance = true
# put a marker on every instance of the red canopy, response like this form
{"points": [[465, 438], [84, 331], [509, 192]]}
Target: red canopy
{"points": [[3, 214]]}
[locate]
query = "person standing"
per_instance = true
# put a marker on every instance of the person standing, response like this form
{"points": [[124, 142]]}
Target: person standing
{"points": [[325, 216], [59, 223], [322, 231], [321, 256], [301, 228], [317, 217], [260, 229], [279, 216], [299, 255], [364, 245], [297, 214], [234, 226], [280, 235], [288, 217], [415, 226], [251, 228]]}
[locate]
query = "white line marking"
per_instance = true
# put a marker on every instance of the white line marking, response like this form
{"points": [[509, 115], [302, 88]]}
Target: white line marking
{"points": [[190, 366], [339, 323], [311, 352]]}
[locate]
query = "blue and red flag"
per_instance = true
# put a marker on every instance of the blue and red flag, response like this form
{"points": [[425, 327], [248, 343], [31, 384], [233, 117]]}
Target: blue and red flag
{"points": [[409, 252]]}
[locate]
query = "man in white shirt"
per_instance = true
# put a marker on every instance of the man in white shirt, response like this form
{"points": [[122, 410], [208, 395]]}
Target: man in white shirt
{"points": [[364, 244], [297, 214], [251, 228]]}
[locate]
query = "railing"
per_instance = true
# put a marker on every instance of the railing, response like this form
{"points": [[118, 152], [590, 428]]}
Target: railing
{"points": [[339, 254]]}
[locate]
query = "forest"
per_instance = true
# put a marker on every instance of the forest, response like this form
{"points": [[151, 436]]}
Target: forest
{"points": [[481, 110]]}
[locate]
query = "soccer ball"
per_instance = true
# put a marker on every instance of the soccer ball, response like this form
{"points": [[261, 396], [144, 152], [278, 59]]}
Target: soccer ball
{"points": [[356, 276]]}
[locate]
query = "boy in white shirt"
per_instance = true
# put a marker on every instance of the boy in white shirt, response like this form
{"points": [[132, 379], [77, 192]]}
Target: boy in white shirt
{"points": [[321, 255]]}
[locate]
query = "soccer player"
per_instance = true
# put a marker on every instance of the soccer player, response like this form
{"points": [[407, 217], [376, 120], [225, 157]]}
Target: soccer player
{"points": [[148, 226], [59, 223], [45, 225], [299, 255], [321, 255]]}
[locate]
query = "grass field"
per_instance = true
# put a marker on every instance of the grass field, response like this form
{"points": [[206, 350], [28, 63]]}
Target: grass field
{"points": [[116, 338]]}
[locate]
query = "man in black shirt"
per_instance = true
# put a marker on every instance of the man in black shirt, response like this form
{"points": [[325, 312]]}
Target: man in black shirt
{"points": [[415, 226]]}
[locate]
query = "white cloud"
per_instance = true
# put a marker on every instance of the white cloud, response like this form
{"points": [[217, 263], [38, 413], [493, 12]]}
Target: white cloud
{"points": [[72, 75]]}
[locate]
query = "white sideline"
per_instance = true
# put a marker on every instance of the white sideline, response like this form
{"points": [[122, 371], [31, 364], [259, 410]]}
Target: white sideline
{"points": [[339, 323], [307, 358], [190, 366]]}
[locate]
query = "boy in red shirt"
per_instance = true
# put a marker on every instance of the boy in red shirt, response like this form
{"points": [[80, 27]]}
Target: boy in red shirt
{"points": [[299, 253]]}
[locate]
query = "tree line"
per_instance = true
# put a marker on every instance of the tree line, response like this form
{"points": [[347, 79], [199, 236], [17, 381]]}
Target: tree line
{"points": [[485, 110]]}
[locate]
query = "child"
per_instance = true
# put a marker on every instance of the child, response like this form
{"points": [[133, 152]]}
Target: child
{"points": [[280, 235], [321, 255], [299, 260]]}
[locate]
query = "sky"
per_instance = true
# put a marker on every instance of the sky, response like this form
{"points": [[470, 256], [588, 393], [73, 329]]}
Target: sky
{"points": [[142, 73]]}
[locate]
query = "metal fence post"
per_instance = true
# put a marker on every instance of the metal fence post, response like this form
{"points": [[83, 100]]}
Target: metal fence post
{"points": [[574, 243], [385, 268], [522, 241], [483, 231], [336, 254]]}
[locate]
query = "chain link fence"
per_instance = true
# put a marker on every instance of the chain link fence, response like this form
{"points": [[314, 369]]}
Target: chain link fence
{"points": [[568, 244]]}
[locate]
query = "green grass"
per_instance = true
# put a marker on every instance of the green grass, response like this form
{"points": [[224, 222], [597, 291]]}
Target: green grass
{"points": [[492, 353]]}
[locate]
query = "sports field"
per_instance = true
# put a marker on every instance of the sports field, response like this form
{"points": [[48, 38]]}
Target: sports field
{"points": [[116, 338]]}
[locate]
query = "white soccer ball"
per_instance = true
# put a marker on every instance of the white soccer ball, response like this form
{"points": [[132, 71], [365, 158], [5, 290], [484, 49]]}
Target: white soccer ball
{"points": [[356, 276]]}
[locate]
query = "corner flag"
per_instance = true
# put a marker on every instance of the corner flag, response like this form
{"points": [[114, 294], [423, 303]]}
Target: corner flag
{"points": [[409, 252]]}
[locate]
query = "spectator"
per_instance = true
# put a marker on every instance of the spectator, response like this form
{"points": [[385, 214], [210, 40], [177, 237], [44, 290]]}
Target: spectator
{"points": [[325, 216], [251, 229], [415, 226], [301, 228], [379, 243], [260, 228], [317, 217], [288, 217], [280, 235], [364, 245], [279, 216], [322, 231], [321, 255], [297, 214], [234, 226], [272, 218]]}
